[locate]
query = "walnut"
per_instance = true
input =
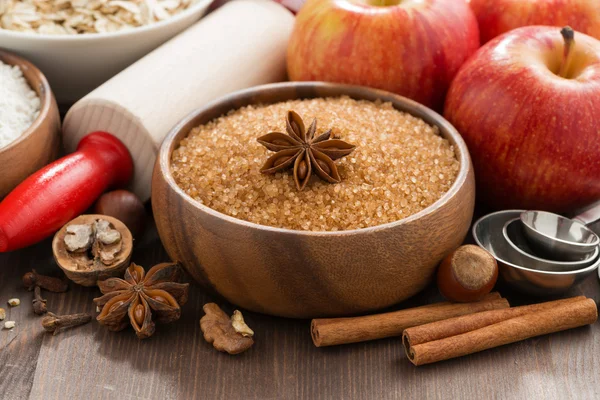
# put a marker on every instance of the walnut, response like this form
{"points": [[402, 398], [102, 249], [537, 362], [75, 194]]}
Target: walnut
{"points": [[92, 248], [96, 241], [230, 335], [238, 323]]}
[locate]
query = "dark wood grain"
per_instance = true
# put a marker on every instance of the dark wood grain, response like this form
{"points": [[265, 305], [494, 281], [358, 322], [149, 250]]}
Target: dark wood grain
{"points": [[91, 362]]}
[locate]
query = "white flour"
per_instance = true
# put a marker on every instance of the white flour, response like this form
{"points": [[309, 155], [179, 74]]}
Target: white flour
{"points": [[19, 104]]}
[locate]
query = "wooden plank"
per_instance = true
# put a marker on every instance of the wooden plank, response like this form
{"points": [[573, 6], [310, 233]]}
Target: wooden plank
{"points": [[20, 346], [176, 362]]}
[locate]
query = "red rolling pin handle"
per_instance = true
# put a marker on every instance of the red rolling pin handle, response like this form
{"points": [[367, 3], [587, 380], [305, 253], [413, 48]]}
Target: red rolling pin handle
{"points": [[59, 192]]}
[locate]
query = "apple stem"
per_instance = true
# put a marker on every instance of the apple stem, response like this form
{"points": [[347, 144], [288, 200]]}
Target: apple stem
{"points": [[568, 35]]}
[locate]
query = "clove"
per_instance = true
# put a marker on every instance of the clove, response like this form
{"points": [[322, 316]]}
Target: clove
{"points": [[33, 279], [56, 323], [39, 304]]}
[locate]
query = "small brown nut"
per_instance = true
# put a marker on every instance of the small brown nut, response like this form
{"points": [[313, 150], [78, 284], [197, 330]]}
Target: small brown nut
{"points": [[2, 314], [218, 329], [124, 206], [467, 274], [92, 248]]}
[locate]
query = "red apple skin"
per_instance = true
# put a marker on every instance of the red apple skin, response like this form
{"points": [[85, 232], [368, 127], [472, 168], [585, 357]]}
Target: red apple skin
{"points": [[534, 137], [413, 49], [496, 17]]}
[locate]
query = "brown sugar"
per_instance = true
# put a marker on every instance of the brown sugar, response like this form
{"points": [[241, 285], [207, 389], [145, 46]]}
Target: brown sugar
{"points": [[401, 165]]}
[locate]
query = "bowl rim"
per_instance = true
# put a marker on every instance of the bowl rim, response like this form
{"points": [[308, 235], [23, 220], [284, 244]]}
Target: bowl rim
{"points": [[592, 267], [527, 226], [46, 97], [193, 8], [593, 256], [461, 152]]}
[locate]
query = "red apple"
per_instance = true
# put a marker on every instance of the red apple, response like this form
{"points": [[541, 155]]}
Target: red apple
{"points": [[496, 17], [410, 47], [528, 106]]}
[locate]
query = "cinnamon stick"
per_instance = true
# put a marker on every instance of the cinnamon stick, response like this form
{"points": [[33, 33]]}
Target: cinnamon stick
{"points": [[467, 323], [334, 331], [557, 318]]}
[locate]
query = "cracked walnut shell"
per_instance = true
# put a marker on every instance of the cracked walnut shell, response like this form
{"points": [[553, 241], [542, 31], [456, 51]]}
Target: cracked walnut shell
{"points": [[92, 248]]}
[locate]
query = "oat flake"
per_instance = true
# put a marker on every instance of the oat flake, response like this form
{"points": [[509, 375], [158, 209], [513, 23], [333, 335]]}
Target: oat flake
{"points": [[72, 17]]}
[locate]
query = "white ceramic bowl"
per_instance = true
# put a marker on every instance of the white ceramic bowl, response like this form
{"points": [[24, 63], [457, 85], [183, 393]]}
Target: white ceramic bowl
{"points": [[76, 64]]}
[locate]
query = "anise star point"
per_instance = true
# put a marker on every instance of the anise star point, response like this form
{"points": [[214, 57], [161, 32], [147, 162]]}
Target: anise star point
{"points": [[143, 298], [301, 150]]}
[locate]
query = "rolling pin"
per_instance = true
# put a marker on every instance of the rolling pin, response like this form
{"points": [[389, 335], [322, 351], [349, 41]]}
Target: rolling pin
{"points": [[124, 121], [240, 45]]}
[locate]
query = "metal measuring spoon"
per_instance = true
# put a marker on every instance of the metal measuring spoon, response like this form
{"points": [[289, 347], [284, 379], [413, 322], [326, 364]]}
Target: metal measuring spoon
{"points": [[515, 271], [563, 238], [514, 235]]}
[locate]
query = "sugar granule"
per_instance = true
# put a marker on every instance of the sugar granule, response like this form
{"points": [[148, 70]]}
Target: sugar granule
{"points": [[401, 166]]}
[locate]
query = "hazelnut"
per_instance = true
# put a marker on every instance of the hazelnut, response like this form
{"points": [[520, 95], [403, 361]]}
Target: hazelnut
{"points": [[467, 274], [124, 206]]}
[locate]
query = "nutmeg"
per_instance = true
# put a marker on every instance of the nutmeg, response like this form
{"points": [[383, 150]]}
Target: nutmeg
{"points": [[467, 274], [124, 206]]}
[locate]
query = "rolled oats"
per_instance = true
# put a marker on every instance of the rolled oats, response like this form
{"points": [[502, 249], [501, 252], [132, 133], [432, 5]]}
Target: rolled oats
{"points": [[71, 17]]}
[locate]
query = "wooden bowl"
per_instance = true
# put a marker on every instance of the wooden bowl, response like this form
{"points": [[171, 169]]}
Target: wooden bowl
{"points": [[295, 273], [40, 143]]}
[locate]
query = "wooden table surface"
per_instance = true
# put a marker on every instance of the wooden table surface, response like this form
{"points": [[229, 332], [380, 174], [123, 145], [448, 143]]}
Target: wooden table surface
{"points": [[91, 362]]}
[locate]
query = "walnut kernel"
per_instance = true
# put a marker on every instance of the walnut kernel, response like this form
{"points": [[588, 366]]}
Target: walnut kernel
{"points": [[218, 329]]}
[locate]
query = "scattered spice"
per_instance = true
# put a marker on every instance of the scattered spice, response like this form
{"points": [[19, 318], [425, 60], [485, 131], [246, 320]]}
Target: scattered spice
{"points": [[14, 302], [300, 150], [124, 206], [57, 323], [219, 330], [33, 279], [9, 324], [400, 166], [482, 331], [39, 304], [466, 323], [141, 299], [335, 331], [2, 314]]}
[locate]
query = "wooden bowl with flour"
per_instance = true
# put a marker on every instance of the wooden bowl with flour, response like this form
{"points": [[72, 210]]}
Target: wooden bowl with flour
{"points": [[295, 273], [40, 143]]}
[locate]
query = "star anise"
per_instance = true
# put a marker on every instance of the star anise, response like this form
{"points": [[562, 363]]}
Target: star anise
{"points": [[304, 152], [143, 297]]}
